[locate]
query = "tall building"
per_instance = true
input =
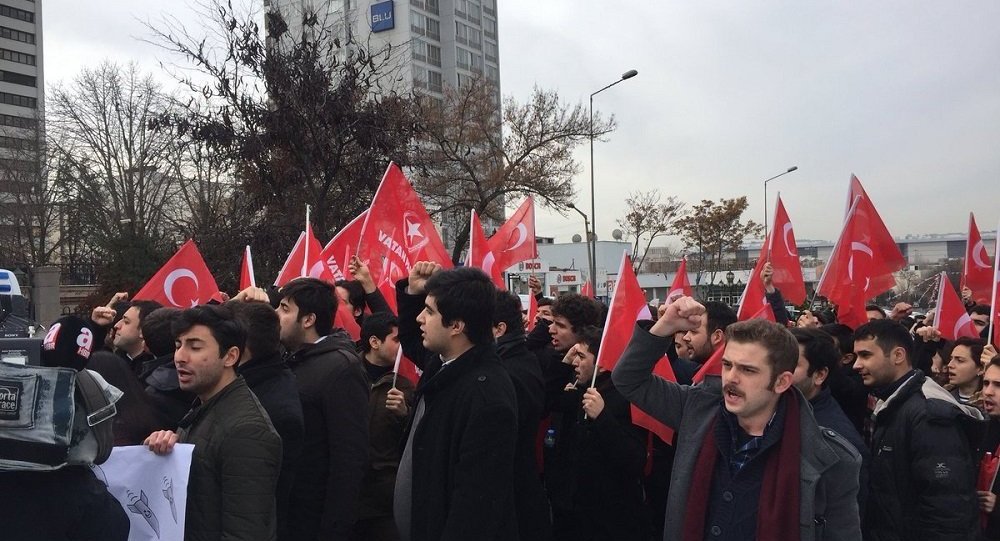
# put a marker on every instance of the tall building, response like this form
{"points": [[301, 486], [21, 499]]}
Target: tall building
{"points": [[441, 43], [22, 97], [449, 41]]}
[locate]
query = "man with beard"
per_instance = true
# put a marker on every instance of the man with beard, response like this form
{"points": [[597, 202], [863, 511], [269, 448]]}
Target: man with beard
{"points": [[711, 334], [334, 393], [732, 477], [991, 443]]}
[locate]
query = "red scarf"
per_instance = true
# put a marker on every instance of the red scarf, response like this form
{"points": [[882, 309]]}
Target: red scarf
{"points": [[778, 504]]}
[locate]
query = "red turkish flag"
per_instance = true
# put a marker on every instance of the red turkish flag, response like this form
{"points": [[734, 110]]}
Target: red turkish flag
{"points": [[754, 296], [628, 305], [950, 316], [304, 260], [977, 272], [643, 419], [996, 291], [337, 253], [182, 282], [480, 254], [515, 242], [861, 263], [587, 290], [784, 257], [246, 270], [398, 232], [681, 287]]}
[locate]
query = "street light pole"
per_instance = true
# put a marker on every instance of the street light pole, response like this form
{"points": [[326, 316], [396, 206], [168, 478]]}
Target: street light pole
{"points": [[790, 169], [586, 230], [592, 237]]}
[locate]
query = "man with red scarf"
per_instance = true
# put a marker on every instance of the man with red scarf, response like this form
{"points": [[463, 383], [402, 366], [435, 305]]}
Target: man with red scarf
{"points": [[751, 462]]}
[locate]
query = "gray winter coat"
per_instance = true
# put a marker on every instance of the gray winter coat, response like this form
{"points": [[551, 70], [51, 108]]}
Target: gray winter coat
{"points": [[829, 467]]}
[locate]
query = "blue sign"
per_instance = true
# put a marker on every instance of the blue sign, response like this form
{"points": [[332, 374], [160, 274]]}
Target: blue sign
{"points": [[382, 17]]}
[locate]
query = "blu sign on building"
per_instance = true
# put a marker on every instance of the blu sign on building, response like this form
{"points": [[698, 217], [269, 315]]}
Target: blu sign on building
{"points": [[381, 17]]}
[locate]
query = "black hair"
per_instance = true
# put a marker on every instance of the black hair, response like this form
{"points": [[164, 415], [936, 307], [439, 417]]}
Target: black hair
{"points": [[888, 335], [544, 301], [719, 316], [355, 293], [782, 349], [379, 325], [262, 326], [980, 309], [843, 335], [875, 308], [975, 346], [578, 310], [820, 349], [465, 294], [508, 310], [156, 330], [225, 328], [145, 307], [591, 336], [313, 296]]}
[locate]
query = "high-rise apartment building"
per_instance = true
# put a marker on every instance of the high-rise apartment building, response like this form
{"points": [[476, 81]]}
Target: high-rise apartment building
{"points": [[22, 96], [449, 41], [441, 43]]}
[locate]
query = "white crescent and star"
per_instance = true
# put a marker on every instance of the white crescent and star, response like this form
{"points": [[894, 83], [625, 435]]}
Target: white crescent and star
{"points": [[488, 262], [789, 246], [962, 322], [859, 247], [168, 284], [979, 255], [522, 236]]}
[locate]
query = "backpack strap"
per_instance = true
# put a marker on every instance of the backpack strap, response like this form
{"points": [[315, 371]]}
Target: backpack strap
{"points": [[98, 411]]}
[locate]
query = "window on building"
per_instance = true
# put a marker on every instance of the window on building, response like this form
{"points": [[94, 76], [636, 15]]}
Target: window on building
{"points": [[434, 81], [17, 143], [492, 52], [490, 28], [19, 100], [19, 57], [433, 29], [492, 73], [956, 249], [419, 77], [463, 58], [14, 13], [477, 63], [434, 55], [18, 121], [16, 35], [418, 49], [418, 23], [18, 78]]}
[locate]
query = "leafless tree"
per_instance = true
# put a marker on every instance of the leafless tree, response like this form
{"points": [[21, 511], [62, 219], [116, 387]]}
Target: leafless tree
{"points": [[647, 218], [713, 230], [475, 156]]}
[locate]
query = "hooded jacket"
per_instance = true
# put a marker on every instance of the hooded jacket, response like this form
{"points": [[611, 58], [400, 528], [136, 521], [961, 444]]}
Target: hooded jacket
{"points": [[828, 467], [333, 389], [923, 474]]}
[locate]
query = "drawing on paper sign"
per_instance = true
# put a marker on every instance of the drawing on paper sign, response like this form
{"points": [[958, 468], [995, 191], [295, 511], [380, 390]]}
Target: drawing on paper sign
{"points": [[140, 506], [168, 493]]}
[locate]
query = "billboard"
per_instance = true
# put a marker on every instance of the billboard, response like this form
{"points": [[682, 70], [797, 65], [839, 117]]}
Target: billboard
{"points": [[381, 16]]}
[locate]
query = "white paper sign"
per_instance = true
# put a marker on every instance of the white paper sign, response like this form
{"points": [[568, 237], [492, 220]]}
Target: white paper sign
{"points": [[152, 489]]}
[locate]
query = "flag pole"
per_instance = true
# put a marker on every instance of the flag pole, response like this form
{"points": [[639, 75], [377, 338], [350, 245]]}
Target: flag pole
{"points": [[395, 367], [305, 257], [993, 297]]}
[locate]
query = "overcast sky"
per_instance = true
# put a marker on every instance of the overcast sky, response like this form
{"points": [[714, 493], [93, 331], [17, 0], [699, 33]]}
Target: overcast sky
{"points": [[904, 94]]}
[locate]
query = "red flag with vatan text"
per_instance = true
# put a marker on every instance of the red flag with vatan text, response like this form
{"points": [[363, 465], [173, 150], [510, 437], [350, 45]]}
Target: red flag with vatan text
{"points": [[398, 232], [977, 271], [515, 242], [784, 257], [480, 255], [681, 286], [182, 282], [950, 316], [246, 270], [336, 255]]}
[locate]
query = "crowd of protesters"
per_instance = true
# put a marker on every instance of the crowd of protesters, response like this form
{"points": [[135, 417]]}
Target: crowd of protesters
{"points": [[808, 430]]}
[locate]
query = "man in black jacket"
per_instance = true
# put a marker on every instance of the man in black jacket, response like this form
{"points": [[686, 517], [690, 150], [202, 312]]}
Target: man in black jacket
{"points": [[526, 375], [922, 476], [273, 383], [455, 477], [334, 394], [170, 403]]}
